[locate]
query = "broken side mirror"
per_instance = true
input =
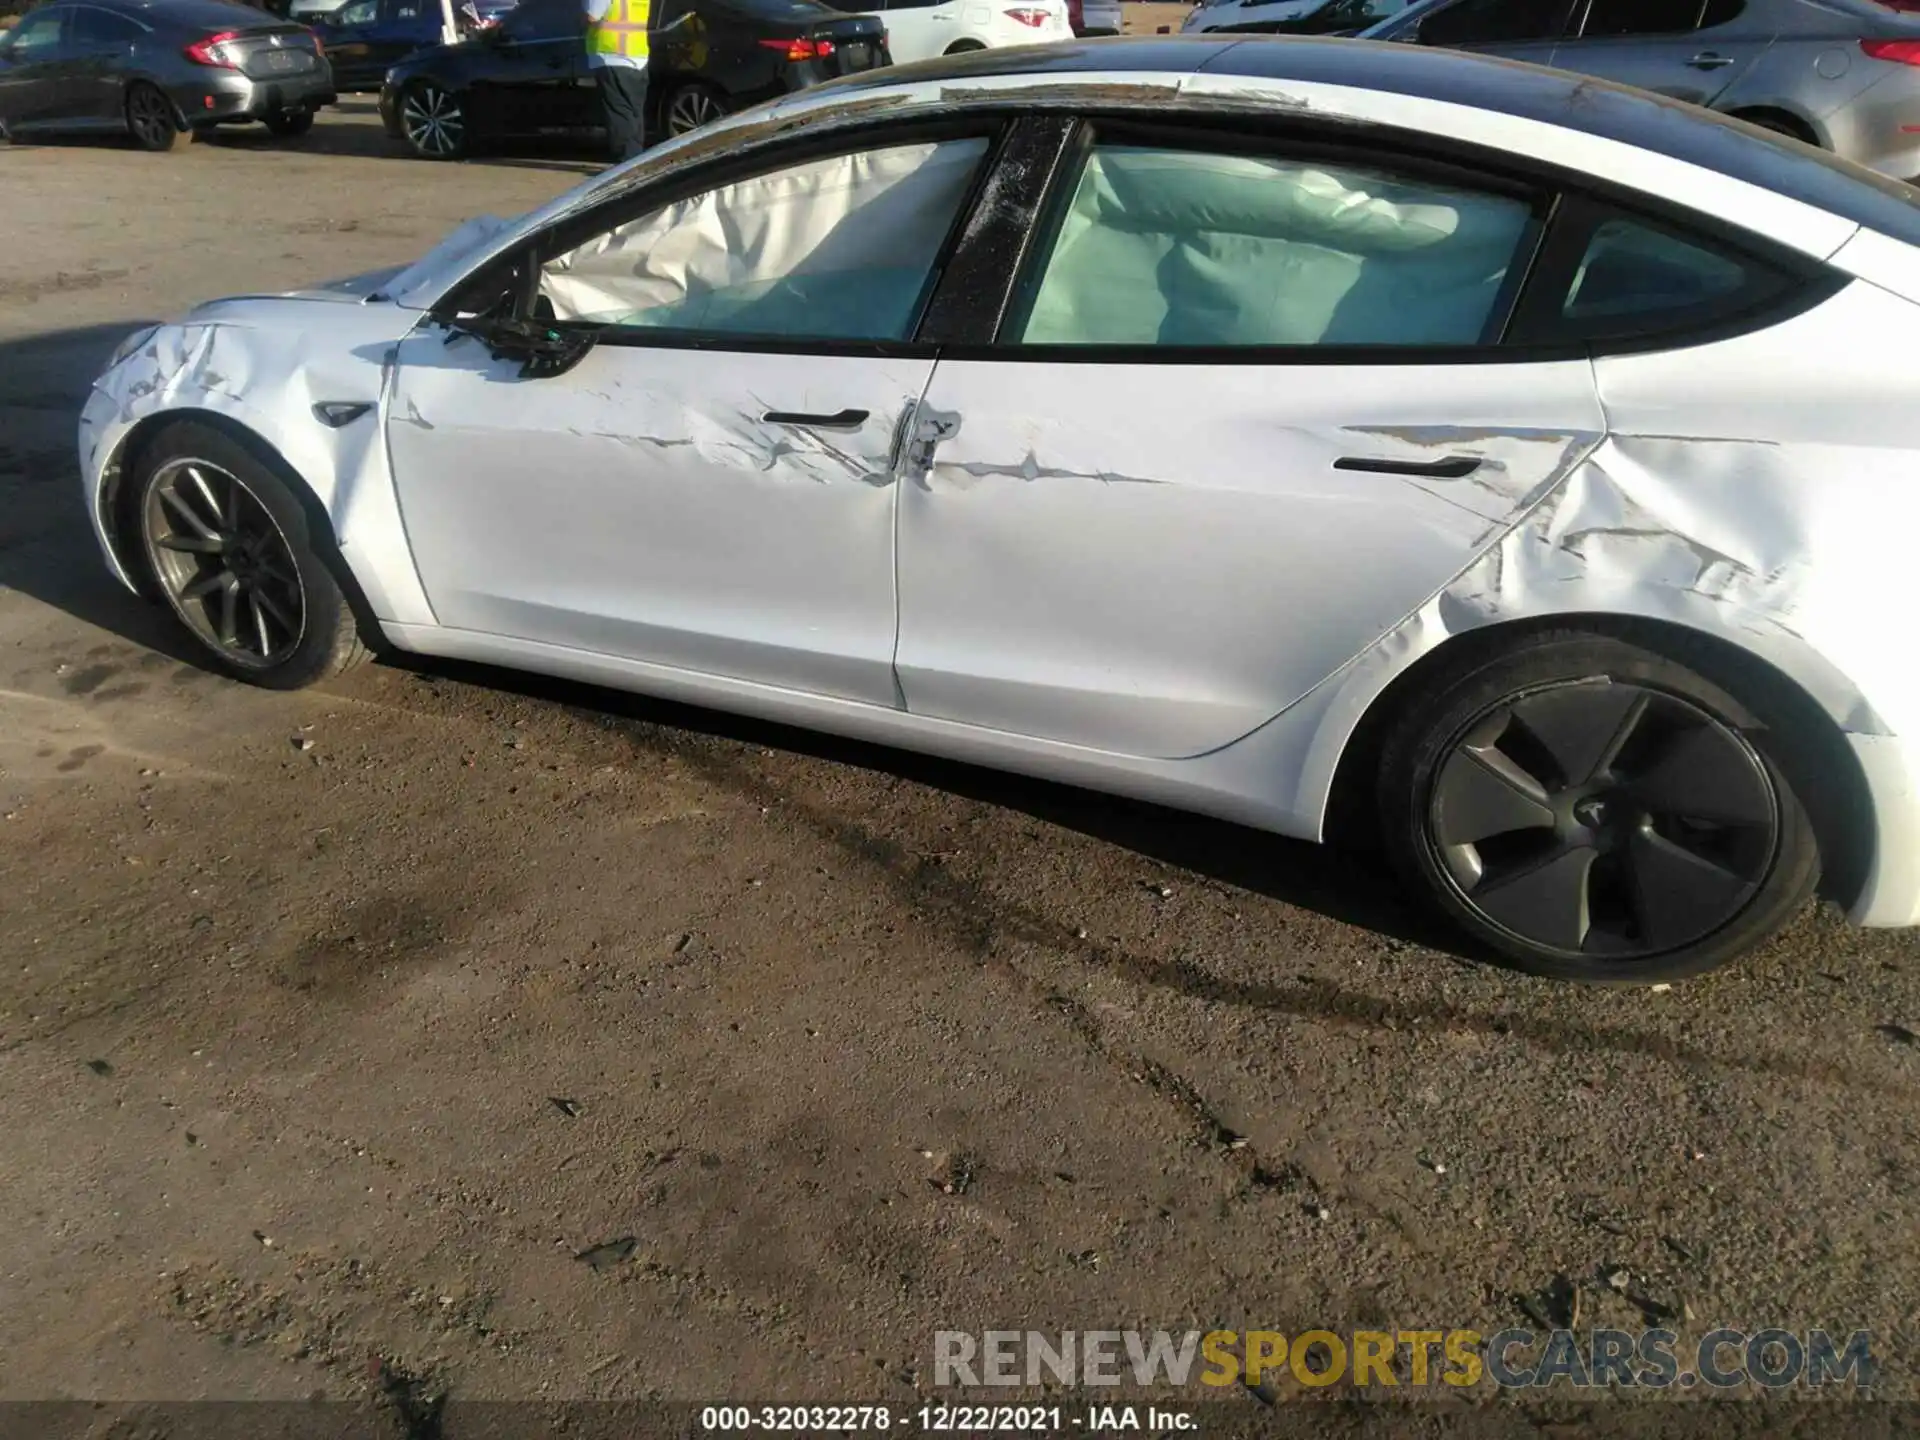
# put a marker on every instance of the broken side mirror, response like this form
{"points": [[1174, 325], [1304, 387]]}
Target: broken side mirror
{"points": [[543, 348]]}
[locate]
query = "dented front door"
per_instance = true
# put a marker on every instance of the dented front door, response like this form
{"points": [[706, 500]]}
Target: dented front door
{"points": [[1156, 559], [644, 505]]}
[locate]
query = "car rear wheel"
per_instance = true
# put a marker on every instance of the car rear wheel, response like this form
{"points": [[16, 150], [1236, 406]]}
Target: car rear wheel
{"points": [[433, 121], [1597, 811], [692, 106], [290, 123], [226, 541], [150, 119], [964, 47]]}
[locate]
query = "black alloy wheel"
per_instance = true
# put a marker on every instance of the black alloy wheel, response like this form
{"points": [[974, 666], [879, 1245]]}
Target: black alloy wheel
{"points": [[1596, 811], [690, 107], [433, 121], [150, 118]]}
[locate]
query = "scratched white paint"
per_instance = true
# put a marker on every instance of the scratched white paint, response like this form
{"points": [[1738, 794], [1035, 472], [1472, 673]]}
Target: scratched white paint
{"points": [[1119, 590]]}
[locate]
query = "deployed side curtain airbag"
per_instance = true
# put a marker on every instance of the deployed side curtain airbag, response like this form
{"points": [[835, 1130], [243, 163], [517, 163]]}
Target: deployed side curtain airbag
{"points": [[1163, 247], [841, 247]]}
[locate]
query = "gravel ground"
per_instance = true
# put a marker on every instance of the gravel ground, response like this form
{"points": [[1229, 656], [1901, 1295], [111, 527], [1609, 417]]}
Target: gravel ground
{"points": [[336, 1025]]}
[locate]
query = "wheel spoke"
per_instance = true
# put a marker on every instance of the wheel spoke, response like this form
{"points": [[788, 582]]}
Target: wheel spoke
{"points": [[204, 586], [1543, 899], [1679, 895], [260, 623], [1481, 793], [176, 502], [273, 608], [214, 507], [1705, 774], [192, 544], [230, 612], [1582, 727]]}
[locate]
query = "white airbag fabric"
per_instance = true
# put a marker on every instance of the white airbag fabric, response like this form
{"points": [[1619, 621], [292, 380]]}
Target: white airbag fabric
{"points": [[840, 247]]}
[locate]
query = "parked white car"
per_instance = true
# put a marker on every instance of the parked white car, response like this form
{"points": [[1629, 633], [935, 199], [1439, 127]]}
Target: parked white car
{"points": [[1293, 432], [923, 29]]}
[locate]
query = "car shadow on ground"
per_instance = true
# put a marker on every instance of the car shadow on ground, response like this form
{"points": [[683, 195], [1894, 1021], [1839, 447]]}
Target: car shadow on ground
{"points": [[47, 551], [353, 141]]}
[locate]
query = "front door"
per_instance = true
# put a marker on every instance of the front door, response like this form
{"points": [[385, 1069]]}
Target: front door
{"points": [[712, 488], [35, 70], [1245, 424], [537, 77]]}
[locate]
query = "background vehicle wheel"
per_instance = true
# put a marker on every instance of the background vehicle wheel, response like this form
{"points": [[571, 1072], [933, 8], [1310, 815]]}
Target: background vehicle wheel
{"points": [[227, 542], [291, 123], [1780, 123], [1597, 811], [433, 122], [964, 47], [690, 107], [151, 121]]}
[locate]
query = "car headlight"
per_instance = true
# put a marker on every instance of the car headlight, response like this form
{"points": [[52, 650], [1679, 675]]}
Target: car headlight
{"points": [[132, 343]]}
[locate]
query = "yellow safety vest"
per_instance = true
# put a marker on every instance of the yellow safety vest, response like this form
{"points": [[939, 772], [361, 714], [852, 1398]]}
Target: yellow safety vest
{"points": [[622, 30]]}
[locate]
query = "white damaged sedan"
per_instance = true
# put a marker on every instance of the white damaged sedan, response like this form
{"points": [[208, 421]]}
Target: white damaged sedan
{"points": [[1288, 430]]}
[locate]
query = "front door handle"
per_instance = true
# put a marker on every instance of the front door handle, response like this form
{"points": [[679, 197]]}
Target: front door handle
{"points": [[1707, 60], [839, 420], [1453, 467]]}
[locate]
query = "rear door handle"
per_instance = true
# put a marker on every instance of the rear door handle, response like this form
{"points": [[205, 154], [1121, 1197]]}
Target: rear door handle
{"points": [[1453, 467], [839, 420], [1707, 60]]}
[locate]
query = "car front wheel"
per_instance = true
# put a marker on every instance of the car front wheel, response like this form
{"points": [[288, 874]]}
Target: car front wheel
{"points": [[227, 543], [1594, 810], [433, 121]]}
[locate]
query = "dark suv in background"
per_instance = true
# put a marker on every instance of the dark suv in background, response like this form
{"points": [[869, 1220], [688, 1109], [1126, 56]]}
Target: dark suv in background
{"points": [[529, 76]]}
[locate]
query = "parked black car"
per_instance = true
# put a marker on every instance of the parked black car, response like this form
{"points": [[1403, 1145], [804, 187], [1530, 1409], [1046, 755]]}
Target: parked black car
{"points": [[158, 69], [366, 38], [529, 74]]}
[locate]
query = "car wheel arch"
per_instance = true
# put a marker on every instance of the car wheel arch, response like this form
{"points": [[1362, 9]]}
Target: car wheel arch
{"points": [[119, 520], [1842, 811], [1783, 120]]}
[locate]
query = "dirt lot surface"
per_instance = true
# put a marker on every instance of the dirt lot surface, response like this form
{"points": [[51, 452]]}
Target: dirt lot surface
{"points": [[338, 1025]]}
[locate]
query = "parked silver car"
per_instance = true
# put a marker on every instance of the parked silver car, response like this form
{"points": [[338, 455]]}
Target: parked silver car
{"points": [[1840, 74]]}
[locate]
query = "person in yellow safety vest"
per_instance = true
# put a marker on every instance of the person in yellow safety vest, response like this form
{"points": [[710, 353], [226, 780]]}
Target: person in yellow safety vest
{"points": [[617, 54]]}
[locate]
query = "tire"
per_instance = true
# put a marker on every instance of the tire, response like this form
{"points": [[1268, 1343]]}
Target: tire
{"points": [[291, 124], [1781, 125], [963, 47], [151, 119], [689, 107], [433, 122], [1599, 811], [226, 541]]}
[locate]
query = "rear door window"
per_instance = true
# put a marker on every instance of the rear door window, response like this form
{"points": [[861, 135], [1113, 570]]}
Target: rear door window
{"points": [[1608, 19], [101, 28], [1187, 248], [1495, 22]]}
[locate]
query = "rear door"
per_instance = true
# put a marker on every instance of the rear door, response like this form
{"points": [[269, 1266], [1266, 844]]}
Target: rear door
{"points": [[1245, 413], [536, 78], [103, 45], [35, 63], [1688, 49]]}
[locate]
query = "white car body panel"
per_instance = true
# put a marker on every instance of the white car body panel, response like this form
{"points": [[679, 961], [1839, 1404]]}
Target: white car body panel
{"points": [[921, 32], [1048, 515], [768, 550], [1780, 542]]}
